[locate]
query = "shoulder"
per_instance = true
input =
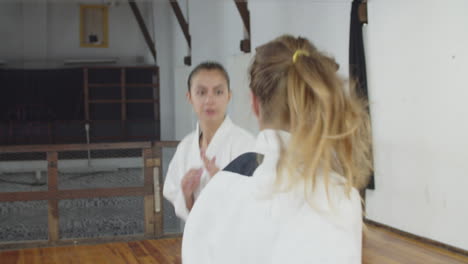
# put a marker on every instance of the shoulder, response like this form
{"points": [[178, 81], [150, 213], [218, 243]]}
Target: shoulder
{"points": [[335, 207], [187, 140], [245, 164], [223, 183], [335, 233], [239, 131], [221, 189], [183, 148], [239, 140], [348, 202]]}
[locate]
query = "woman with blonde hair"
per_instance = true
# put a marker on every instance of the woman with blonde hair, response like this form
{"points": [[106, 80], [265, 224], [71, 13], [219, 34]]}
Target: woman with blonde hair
{"points": [[301, 203]]}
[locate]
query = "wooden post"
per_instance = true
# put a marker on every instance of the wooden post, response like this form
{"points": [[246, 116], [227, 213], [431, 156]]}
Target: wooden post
{"points": [[158, 195], [52, 173], [148, 198]]}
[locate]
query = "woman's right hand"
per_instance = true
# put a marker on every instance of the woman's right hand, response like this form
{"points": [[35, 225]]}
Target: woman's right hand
{"points": [[190, 183]]}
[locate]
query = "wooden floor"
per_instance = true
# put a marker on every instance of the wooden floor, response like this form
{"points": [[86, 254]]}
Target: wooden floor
{"points": [[385, 247], [380, 246]]}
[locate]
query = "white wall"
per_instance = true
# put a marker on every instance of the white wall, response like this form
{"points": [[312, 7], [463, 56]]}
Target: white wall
{"points": [[185, 118], [163, 37], [44, 33], [417, 60], [11, 45], [325, 23], [240, 108], [35, 30], [216, 28], [126, 41]]}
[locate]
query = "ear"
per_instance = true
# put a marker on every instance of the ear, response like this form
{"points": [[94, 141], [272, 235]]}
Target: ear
{"points": [[255, 104], [229, 95], [188, 96]]}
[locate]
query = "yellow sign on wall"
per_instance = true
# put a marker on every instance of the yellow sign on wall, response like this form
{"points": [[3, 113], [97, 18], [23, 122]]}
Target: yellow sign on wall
{"points": [[94, 25]]}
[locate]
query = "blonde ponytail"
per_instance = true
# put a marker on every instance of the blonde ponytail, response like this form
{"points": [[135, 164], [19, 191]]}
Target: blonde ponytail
{"points": [[329, 125]]}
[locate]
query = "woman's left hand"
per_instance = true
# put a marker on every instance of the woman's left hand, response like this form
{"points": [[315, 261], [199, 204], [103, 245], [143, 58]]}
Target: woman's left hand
{"points": [[210, 165]]}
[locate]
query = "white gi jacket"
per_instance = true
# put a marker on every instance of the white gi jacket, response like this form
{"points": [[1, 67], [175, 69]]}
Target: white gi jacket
{"points": [[238, 219], [228, 142]]}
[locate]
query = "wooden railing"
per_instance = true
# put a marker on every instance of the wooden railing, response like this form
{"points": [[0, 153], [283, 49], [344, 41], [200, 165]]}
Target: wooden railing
{"points": [[151, 190]]}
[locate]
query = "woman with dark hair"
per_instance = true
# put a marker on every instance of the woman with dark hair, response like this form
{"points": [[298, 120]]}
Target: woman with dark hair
{"points": [[215, 142], [312, 155]]}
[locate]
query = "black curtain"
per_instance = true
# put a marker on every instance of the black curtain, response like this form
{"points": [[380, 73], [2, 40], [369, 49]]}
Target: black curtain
{"points": [[357, 60]]}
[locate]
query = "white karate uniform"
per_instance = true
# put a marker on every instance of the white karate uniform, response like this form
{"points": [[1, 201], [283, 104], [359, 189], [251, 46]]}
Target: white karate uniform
{"points": [[239, 219], [228, 142]]}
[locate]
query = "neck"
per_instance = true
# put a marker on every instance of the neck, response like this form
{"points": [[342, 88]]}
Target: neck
{"points": [[270, 125], [208, 130]]}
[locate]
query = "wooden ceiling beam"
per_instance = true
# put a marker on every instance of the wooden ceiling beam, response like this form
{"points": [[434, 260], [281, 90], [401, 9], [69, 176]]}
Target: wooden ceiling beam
{"points": [[362, 11], [144, 29], [184, 26], [245, 15]]}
